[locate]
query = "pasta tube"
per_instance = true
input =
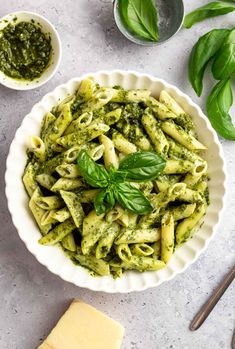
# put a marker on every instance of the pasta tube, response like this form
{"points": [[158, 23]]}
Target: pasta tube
{"points": [[45, 180], [74, 206], [181, 136], [67, 184], [155, 133], [59, 126], [182, 211], [38, 212], [196, 174], [49, 202], [99, 266], [68, 170], [29, 179], [129, 236], [47, 121], [78, 138], [61, 215], [186, 228], [110, 156], [38, 148], [167, 237], [122, 144], [178, 166], [106, 242], [58, 233], [68, 242], [141, 250], [159, 109]]}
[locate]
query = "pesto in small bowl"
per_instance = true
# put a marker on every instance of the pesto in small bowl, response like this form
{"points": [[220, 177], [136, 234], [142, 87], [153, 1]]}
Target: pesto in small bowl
{"points": [[30, 50], [24, 50]]}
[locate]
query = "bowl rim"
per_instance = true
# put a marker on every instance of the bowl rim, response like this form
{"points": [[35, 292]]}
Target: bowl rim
{"points": [[31, 84], [130, 288]]}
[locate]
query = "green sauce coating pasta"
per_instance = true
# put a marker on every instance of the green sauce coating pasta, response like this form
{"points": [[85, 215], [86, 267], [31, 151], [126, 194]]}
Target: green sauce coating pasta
{"points": [[110, 123]]}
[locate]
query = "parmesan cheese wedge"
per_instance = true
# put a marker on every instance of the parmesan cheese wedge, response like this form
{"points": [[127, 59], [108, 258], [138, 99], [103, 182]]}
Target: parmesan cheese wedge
{"points": [[84, 327]]}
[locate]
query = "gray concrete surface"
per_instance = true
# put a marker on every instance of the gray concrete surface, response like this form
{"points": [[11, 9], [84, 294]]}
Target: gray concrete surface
{"points": [[31, 298]]}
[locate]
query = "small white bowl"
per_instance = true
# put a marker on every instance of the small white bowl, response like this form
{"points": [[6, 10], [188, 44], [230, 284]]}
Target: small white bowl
{"points": [[55, 59], [53, 257]]}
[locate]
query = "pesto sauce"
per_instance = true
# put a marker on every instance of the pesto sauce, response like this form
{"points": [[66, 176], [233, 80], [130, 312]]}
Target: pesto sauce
{"points": [[25, 51]]}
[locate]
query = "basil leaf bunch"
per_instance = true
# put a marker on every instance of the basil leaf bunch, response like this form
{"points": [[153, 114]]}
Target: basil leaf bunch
{"points": [[218, 105], [204, 50], [115, 184], [217, 45], [140, 17], [212, 9], [224, 63]]}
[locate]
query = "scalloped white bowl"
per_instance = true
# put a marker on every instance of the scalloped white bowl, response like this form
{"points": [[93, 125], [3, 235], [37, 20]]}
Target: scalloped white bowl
{"points": [[52, 257]]}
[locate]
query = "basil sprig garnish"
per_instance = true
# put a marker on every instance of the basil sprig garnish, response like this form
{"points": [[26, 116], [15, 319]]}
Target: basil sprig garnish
{"points": [[115, 183], [140, 16]]}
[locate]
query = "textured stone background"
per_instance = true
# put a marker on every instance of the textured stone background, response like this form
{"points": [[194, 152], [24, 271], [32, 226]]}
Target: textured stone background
{"points": [[31, 298]]}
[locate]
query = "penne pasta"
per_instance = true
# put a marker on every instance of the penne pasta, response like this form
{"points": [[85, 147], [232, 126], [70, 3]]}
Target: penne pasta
{"points": [[110, 156], [181, 136], [167, 237], [101, 205]]}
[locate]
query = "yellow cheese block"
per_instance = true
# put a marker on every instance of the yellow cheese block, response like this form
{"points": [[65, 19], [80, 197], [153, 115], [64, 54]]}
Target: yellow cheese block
{"points": [[84, 327]]}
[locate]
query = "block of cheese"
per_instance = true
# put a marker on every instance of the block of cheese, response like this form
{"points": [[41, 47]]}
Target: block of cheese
{"points": [[84, 327]]}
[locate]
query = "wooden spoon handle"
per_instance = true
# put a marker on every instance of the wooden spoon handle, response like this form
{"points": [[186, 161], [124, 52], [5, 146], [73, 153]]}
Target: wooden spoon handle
{"points": [[212, 301]]}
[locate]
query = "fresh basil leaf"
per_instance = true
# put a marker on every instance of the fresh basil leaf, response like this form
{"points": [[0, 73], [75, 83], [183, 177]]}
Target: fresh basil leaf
{"points": [[104, 201], [202, 52], [94, 174], [140, 17], [224, 63], [210, 10], [218, 105], [131, 198], [142, 166]]}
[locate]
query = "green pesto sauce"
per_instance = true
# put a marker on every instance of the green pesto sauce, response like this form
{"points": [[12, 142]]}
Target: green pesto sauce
{"points": [[25, 51]]}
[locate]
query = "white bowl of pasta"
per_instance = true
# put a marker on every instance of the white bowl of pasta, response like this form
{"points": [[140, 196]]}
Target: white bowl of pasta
{"points": [[61, 198]]}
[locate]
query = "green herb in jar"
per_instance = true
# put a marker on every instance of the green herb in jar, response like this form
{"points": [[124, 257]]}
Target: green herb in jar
{"points": [[25, 51], [140, 17]]}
